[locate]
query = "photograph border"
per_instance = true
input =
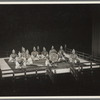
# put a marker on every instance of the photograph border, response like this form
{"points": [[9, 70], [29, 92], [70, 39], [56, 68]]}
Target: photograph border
{"points": [[18, 2]]}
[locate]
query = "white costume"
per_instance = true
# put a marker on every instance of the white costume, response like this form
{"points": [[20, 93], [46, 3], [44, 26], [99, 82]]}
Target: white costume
{"points": [[73, 57], [27, 58], [44, 53], [34, 54], [20, 61], [13, 56], [61, 54], [47, 62]]}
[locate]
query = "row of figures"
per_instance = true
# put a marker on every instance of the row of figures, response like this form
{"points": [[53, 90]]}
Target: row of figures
{"points": [[24, 58]]}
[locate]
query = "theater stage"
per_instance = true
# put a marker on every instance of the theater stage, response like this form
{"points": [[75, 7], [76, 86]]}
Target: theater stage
{"points": [[9, 71]]}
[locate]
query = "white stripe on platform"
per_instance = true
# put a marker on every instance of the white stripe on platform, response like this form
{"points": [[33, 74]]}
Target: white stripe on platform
{"points": [[97, 66], [40, 72], [88, 67], [59, 71], [19, 74], [89, 63], [7, 71], [30, 73], [7, 75]]}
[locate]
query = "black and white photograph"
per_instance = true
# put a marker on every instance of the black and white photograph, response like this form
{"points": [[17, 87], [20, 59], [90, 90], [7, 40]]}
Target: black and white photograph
{"points": [[49, 50]]}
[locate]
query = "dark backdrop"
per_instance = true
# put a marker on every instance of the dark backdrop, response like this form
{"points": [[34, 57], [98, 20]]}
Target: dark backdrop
{"points": [[45, 25], [96, 31]]}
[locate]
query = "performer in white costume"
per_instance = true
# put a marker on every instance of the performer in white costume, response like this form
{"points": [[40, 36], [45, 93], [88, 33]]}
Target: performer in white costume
{"points": [[44, 53], [28, 58], [38, 50], [52, 50], [53, 56], [39, 55], [61, 54], [34, 54], [47, 62], [20, 61], [73, 57], [13, 56]]}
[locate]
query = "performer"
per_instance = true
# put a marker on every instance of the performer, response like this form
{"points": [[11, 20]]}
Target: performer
{"points": [[23, 52], [73, 57], [61, 54], [61, 50], [34, 54], [28, 58], [38, 50], [52, 50], [27, 55], [13, 56], [53, 56], [47, 62], [44, 53], [65, 47], [39, 55], [20, 62]]}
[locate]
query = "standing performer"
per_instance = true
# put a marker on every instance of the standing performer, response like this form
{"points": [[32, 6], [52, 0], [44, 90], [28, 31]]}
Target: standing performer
{"points": [[13, 56]]}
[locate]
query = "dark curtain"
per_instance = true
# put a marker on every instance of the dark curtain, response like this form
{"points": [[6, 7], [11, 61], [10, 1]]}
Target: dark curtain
{"points": [[96, 31]]}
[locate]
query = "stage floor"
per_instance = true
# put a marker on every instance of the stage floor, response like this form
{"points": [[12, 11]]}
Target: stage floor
{"points": [[7, 71]]}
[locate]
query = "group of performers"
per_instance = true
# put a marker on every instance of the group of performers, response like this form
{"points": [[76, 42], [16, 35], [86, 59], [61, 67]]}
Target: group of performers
{"points": [[24, 58]]}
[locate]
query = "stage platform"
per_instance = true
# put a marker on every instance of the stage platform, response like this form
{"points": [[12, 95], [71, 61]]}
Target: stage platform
{"points": [[8, 70]]}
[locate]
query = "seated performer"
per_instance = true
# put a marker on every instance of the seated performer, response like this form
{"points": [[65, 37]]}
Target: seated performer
{"points": [[27, 55], [28, 58], [53, 56], [34, 54], [20, 62], [52, 50], [38, 50], [39, 56], [61, 54], [73, 57], [13, 56], [44, 53], [47, 62], [23, 52], [61, 50]]}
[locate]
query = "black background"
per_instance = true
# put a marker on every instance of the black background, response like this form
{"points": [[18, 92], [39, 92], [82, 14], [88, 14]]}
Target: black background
{"points": [[45, 25]]}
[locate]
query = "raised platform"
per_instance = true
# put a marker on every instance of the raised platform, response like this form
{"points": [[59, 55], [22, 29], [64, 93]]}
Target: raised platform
{"points": [[8, 69]]}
